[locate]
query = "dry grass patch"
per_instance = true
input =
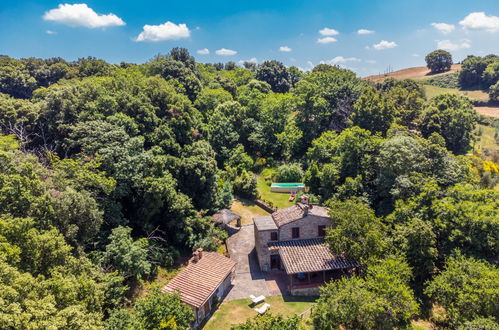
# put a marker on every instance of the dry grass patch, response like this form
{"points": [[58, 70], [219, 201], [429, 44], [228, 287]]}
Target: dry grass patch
{"points": [[419, 72], [247, 210], [488, 111]]}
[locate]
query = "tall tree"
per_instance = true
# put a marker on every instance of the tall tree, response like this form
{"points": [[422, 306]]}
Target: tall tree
{"points": [[275, 74], [439, 60], [453, 117], [467, 288], [357, 232], [381, 300]]}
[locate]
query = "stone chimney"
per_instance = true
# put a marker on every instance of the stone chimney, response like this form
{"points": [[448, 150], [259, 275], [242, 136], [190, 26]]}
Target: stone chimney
{"points": [[200, 253], [196, 256], [305, 210]]}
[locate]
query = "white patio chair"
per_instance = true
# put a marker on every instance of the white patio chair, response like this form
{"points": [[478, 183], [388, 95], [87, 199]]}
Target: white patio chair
{"points": [[265, 307], [257, 300]]}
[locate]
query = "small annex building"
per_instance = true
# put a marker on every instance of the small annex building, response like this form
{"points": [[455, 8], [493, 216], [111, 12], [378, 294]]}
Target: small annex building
{"points": [[206, 279], [291, 240], [225, 216]]}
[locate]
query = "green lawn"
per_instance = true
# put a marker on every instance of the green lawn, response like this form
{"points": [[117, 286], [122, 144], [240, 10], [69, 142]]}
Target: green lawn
{"points": [[486, 138], [247, 210], [238, 311], [280, 200], [432, 91], [486, 142]]}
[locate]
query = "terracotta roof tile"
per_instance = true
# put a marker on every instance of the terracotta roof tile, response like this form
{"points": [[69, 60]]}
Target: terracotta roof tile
{"points": [[297, 211], [309, 255], [198, 281]]}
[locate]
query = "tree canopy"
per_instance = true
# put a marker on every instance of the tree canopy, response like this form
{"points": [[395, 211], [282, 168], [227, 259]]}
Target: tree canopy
{"points": [[439, 60]]}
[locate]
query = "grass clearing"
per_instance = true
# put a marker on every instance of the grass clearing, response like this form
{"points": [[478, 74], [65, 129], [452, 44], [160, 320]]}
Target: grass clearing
{"points": [[486, 138], [247, 210], [486, 142], [238, 311], [477, 95]]}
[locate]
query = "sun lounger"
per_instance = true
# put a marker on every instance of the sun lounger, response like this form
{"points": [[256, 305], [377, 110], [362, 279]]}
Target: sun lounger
{"points": [[262, 309], [257, 300]]}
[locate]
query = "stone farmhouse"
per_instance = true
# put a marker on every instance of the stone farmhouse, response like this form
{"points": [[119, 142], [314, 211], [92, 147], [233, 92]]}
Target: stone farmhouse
{"points": [[291, 240]]}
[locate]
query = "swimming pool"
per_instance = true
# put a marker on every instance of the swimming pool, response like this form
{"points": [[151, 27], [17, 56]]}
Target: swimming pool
{"points": [[286, 186]]}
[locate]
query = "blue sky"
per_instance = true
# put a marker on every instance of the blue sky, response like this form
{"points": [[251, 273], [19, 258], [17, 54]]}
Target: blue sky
{"points": [[302, 33]]}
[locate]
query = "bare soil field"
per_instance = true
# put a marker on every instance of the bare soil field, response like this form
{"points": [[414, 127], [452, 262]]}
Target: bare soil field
{"points": [[419, 72], [488, 111]]}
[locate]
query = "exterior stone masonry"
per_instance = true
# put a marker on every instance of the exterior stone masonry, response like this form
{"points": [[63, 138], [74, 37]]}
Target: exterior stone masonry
{"points": [[308, 226]]}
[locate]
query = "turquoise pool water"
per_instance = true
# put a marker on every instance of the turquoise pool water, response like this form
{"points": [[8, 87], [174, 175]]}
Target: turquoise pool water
{"points": [[297, 184]]}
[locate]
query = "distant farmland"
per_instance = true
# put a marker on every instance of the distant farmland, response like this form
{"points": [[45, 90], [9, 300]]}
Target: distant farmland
{"points": [[422, 72], [419, 72]]}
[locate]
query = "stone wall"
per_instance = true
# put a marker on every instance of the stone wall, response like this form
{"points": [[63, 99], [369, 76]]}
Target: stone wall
{"points": [[265, 206], [262, 251], [309, 292], [309, 227]]}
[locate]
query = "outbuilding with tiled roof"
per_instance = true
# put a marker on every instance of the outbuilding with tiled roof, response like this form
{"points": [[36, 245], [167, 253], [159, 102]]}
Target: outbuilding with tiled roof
{"points": [[207, 276]]}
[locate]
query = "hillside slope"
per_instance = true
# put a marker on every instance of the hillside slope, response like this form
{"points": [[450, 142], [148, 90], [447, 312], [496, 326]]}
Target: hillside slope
{"points": [[419, 72]]}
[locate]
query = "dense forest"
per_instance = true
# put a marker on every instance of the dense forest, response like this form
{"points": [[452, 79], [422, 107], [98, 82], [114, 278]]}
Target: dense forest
{"points": [[110, 172]]}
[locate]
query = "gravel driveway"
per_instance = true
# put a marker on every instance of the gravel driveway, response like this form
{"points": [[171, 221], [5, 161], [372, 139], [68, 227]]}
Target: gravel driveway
{"points": [[248, 279]]}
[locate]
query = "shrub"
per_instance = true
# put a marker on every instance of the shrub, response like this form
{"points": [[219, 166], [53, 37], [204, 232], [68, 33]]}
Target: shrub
{"points": [[494, 92], [289, 173], [245, 185], [450, 80]]}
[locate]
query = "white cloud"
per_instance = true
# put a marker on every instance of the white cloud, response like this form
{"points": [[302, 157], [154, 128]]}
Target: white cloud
{"points": [[81, 15], [415, 55], [251, 60], [326, 40], [365, 31], [370, 61], [341, 59], [328, 32], [204, 51], [50, 32], [165, 31], [449, 45], [285, 49], [225, 52], [383, 44], [444, 27], [480, 21]]}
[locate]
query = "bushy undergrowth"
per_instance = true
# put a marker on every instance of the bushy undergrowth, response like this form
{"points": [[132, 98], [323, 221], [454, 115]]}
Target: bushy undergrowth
{"points": [[450, 80]]}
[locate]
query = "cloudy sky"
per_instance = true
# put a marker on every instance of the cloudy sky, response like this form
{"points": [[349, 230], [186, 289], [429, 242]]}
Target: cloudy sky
{"points": [[366, 36]]}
